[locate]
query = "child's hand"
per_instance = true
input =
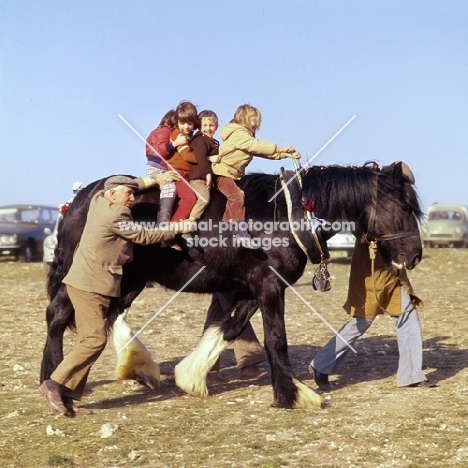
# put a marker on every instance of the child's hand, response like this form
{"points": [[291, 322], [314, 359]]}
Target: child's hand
{"points": [[295, 155], [288, 149], [166, 177], [213, 159], [180, 140]]}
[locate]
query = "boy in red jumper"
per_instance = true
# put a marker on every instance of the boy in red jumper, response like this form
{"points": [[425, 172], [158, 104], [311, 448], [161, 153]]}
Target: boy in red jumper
{"points": [[186, 121]]}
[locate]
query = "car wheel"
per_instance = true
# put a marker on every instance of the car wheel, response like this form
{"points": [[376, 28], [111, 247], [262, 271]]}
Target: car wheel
{"points": [[26, 255]]}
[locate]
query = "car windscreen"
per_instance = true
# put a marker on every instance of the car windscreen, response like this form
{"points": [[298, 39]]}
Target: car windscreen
{"points": [[446, 214], [16, 215]]}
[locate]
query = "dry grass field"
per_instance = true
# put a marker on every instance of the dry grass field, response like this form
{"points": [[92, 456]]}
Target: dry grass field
{"points": [[366, 421]]}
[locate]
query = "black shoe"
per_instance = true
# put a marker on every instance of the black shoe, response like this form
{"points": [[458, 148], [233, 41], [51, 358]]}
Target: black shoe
{"points": [[422, 384], [320, 379]]}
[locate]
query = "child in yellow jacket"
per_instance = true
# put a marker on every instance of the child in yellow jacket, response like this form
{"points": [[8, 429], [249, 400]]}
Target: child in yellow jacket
{"points": [[238, 148]]}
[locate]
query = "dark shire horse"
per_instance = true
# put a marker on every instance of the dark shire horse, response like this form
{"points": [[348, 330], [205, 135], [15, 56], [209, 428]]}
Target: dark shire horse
{"points": [[381, 202]]}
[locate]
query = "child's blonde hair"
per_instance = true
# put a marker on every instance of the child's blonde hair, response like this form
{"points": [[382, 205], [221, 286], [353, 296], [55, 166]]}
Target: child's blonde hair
{"points": [[187, 112], [244, 116], [208, 114]]}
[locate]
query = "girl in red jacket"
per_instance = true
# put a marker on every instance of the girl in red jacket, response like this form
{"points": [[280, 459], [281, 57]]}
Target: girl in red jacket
{"points": [[159, 149]]}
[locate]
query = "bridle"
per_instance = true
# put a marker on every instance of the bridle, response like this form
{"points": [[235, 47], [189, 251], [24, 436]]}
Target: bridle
{"points": [[321, 279]]}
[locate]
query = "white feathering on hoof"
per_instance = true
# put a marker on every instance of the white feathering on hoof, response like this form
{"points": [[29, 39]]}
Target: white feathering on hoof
{"points": [[134, 361], [306, 397], [191, 372]]}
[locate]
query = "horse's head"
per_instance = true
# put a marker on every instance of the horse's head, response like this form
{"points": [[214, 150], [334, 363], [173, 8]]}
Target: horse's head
{"points": [[392, 217]]}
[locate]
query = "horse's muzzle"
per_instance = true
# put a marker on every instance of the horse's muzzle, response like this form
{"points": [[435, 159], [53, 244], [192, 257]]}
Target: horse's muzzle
{"points": [[409, 263]]}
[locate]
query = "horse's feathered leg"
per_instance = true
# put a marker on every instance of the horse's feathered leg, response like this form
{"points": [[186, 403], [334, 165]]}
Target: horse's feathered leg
{"points": [[134, 361], [289, 392], [59, 315], [191, 372]]}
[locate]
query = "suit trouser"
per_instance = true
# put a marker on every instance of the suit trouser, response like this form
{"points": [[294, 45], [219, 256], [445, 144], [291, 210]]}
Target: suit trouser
{"points": [[247, 349], [409, 337], [90, 317]]}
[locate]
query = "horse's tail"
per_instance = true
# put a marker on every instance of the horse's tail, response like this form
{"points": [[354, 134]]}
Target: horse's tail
{"points": [[56, 274]]}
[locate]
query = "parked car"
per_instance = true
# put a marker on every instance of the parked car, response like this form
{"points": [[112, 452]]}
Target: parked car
{"points": [[446, 226], [342, 241], [23, 229], [50, 242]]}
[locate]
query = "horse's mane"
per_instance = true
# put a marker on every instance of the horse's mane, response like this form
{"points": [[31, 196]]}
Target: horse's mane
{"points": [[326, 188]]}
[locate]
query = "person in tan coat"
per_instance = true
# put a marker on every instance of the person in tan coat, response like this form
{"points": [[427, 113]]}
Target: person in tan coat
{"points": [[94, 279], [393, 295]]}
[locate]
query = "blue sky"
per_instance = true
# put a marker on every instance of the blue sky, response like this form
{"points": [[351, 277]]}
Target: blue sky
{"points": [[69, 68]]}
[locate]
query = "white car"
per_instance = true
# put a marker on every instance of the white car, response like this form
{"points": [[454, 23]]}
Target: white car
{"points": [[342, 241], [446, 226], [50, 242]]}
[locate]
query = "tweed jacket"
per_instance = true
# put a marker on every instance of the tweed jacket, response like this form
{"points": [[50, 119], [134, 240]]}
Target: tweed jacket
{"points": [[361, 300], [106, 245], [238, 148]]}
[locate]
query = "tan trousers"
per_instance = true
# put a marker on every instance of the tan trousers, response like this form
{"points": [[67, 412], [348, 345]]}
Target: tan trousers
{"points": [[247, 349], [90, 316], [200, 186]]}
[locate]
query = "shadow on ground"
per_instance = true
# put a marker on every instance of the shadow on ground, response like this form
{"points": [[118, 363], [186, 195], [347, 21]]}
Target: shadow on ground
{"points": [[376, 359]]}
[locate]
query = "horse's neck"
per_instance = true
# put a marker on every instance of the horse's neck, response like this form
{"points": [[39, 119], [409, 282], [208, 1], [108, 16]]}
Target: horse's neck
{"points": [[344, 200]]}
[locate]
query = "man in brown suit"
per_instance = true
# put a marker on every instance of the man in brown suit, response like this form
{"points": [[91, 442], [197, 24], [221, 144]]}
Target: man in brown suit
{"points": [[94, 278]]}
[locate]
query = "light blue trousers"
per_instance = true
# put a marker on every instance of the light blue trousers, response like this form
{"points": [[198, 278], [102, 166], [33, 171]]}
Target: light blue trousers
{"points": [[409, 337]]}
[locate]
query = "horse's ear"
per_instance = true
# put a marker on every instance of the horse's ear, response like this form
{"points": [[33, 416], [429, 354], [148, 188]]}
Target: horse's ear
{"points": [[401, 169]]}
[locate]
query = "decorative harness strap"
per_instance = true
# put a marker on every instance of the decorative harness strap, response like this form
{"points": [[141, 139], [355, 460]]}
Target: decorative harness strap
{"points": [[308, 213], [321, 280], [289, 206]]}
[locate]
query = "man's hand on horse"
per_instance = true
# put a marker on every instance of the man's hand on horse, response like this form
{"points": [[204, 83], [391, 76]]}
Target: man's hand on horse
{"points": [[165, 177]]}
